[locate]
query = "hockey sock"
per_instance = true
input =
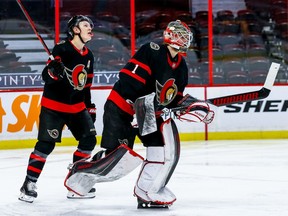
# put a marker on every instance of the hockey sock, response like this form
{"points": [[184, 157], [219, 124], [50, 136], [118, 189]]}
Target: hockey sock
{"points": [[35, 165], [80, 155]]}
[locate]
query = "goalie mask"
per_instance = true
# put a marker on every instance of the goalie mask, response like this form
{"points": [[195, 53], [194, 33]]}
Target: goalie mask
{"points": [[178, 35], [74, 22]]}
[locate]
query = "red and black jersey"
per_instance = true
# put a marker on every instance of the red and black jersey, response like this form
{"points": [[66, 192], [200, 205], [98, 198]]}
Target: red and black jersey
{"points": [[72, 93], [151, 69]]}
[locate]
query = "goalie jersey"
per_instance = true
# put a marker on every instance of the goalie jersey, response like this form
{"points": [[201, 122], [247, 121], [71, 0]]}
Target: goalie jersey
{"points": [[144, 74], [72, 93]]}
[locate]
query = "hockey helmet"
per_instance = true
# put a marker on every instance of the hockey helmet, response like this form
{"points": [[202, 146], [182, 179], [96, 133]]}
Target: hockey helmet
{"points": [[74, 21], [178, 35]]}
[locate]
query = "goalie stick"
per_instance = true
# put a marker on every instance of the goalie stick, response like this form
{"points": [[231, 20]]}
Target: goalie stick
{"points": [[35, 29], [247, 96]]}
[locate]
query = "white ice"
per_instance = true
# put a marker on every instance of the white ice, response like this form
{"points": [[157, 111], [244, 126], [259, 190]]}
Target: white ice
{"points": [[215, 178]]}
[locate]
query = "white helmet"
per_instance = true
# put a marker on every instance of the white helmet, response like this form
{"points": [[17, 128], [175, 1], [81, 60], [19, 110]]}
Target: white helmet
{"points": [[178, 35]]}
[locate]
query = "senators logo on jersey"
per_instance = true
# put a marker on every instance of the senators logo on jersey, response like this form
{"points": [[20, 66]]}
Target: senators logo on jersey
{"points": [[167, 92], [77, 77]]}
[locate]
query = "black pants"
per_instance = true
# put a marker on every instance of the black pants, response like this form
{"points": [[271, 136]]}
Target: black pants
{"points": [[118, 129]]}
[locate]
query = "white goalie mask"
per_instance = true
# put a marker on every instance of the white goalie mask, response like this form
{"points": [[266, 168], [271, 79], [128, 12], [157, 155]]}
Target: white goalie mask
{"points": [[178, 35]]}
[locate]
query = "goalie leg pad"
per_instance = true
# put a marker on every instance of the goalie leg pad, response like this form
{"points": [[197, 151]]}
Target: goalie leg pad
{"points": [[84, 175], [150, 184], [158, 168]]}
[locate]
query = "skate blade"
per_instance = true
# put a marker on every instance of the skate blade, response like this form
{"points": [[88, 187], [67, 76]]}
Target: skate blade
{"points": [[151, 205], [72, 195], [26, 198]]}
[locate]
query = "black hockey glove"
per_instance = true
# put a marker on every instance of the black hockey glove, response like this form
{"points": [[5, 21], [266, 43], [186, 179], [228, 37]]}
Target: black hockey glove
{"points": [[56, 69], [92, 111]]}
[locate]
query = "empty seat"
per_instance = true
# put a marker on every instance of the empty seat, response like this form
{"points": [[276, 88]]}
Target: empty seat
{"points": [[194, 78], [192, 56], [217, 53], [232, 65], [184, 16], [224, 15], [201, 16], [217, 78], [257, 77], [234, 51], [228, 39], [253, 39], [107, 16], [257, 63], [162, 16], [203, 67], [229, 28], [256, 50], [145, 28], [237, 77], [246, 15]]}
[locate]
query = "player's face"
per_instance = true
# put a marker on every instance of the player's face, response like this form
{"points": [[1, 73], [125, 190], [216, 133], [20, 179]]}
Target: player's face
{"points": [[86, 31]]}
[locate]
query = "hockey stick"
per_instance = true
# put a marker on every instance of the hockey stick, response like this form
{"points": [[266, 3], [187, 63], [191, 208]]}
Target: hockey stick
{"points": [[35, 29], [249, 96]]}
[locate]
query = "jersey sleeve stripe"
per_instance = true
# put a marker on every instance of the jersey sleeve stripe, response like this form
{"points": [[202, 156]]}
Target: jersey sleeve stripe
{"points": [[133, 75], [142, 65], [121, 102]]}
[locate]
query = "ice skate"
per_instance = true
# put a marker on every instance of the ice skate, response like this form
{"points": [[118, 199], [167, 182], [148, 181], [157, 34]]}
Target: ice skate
{"points": [[149, 204], [28, 191], [89, 195]]}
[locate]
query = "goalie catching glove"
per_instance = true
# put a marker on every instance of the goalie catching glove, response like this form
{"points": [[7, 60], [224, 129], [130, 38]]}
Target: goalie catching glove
{"points": [[56, 69], [194, 110]]}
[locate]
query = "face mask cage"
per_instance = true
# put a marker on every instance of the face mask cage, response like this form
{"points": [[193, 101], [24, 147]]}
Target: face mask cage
{"points": [[178, 35]]}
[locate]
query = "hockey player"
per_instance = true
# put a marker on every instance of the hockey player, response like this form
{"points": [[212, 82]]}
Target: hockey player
{"points": [[159, 69], [66, 100]]}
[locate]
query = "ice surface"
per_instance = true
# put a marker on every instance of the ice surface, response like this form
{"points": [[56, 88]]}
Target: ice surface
{"points": [[215, 178]]}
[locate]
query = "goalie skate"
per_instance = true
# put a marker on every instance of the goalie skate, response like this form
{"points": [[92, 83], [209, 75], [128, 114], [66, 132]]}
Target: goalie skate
{"points": [[146, 205], [89, 195]]}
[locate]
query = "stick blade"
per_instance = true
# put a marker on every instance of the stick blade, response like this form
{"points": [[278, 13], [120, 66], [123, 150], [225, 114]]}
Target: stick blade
{"points": [[271, 76]]}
